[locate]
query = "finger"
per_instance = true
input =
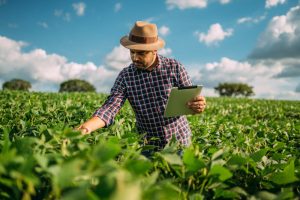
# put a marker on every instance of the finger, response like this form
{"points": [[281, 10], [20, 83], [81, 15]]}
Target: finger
{"points": [[199, 98], [79, 127], [197, 111], [192, 103], [197, 107], [202, 102], [196, 104]]}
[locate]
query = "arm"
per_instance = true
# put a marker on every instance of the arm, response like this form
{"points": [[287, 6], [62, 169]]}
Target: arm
{"points": [[91, 125], [104, 116]]}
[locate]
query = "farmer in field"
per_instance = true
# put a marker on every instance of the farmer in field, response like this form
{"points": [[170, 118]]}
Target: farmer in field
{"points": [[147, 83]]}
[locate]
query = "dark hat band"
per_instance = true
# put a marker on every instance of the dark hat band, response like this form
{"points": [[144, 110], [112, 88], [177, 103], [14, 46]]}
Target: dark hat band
{"points": [[142, 40]]}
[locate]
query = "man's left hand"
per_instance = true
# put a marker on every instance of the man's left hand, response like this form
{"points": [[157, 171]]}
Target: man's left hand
{"points": [[197, 104]]}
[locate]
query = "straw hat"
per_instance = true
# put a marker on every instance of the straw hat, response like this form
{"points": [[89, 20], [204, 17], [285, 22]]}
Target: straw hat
{"points": [[143, 36]]}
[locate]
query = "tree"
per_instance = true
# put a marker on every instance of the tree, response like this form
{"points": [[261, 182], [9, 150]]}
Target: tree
{"points": [[76, 85], [16, 84], [234, 89]]}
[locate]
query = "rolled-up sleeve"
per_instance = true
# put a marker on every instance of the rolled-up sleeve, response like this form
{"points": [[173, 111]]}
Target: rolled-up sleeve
{"points": [[114, 101]]}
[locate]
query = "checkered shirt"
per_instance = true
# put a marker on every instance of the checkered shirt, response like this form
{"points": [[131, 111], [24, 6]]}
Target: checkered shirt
{"points": [[147, 92]]}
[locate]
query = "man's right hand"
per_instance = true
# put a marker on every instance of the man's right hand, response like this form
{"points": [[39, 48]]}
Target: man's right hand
{"points": [[84, 130], [91, 125]]}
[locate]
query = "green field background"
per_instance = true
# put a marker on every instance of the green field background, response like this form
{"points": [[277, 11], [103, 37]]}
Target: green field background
{"points": [[242, 149]]}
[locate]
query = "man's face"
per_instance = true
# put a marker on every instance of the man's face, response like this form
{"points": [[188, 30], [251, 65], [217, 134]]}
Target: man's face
{"points": [[142, 59]]}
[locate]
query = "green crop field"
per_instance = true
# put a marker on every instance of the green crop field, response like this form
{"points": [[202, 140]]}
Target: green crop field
{"points": [[242, 149]]}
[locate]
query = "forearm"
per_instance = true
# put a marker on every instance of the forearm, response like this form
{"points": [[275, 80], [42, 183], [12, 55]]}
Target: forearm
{"points": [[91, 125]]}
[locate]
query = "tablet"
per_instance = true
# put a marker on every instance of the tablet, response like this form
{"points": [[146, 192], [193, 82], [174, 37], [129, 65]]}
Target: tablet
{"points": [[179, 96]]}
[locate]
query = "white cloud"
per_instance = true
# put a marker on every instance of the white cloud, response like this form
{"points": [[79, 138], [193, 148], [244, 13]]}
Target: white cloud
{"points": [[58, 12], [257, 74], [79, 8], [281, 39], [61, 14], [164, 30], [67, 17], [43, 24], [185, 4], [167, 52], [118, 7], [279, 45], [214, 35], [47, 71], [118, 58], [298, 88], [272, 3], [225, 1], [251, 20], [244, 20]]}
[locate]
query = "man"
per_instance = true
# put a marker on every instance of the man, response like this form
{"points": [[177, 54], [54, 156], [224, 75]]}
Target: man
{"points": [[147, 83]]}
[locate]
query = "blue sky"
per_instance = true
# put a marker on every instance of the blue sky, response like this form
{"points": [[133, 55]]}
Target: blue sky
{"points": [[252, 41]]}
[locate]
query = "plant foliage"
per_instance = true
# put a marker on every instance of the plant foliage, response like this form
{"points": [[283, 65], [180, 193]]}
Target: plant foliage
{"points": [[241, 149]]}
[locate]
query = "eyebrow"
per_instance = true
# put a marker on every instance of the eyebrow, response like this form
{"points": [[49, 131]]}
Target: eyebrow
{"points": [[138, 52]]}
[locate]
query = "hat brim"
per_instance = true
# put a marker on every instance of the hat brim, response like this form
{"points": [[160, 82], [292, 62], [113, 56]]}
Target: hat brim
{"points": [[160, 43]]}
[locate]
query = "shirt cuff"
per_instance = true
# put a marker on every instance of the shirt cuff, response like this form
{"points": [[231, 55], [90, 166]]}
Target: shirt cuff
{"points": [[104, 118]]}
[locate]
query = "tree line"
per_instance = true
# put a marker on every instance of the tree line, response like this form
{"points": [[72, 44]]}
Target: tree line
{"points": [[77, 85], [73, 85]]}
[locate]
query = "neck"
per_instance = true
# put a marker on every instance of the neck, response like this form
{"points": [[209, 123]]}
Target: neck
{"points": [[153, 64]]}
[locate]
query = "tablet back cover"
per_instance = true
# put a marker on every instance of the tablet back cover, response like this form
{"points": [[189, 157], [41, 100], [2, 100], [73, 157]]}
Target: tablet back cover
{"points": [[178, 98]]}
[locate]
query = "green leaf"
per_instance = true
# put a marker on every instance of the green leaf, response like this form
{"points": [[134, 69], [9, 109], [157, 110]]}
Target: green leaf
{"points": [[172, 159], [221, 171], [237, 160], [77, 194], [106, 151], [138, 167], [65, 174], [6, 142], [42, 160], [191, 162], [196, 196], [217, 154], [162, 190], [264, 195], [257, 156], [227, 194], [286, 193], [286, 176]]}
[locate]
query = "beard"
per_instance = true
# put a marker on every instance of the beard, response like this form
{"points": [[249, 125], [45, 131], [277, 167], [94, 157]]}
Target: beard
{"points": [[140, 65]]}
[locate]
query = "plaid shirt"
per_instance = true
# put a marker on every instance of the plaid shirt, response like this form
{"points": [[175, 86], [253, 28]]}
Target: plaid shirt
{"points": [[147, 92]]}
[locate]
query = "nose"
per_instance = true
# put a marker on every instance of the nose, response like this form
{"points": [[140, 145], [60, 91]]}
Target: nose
{"points": [[134, 57]]}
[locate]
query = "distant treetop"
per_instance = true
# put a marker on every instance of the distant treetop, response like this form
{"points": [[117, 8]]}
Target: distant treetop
{"points": [[234, 89], [76, 85], [16, 84]]}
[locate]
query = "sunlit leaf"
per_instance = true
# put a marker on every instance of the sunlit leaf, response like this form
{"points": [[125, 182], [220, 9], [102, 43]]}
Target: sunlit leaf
{"points": [[221, 171], [286, 176]]}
